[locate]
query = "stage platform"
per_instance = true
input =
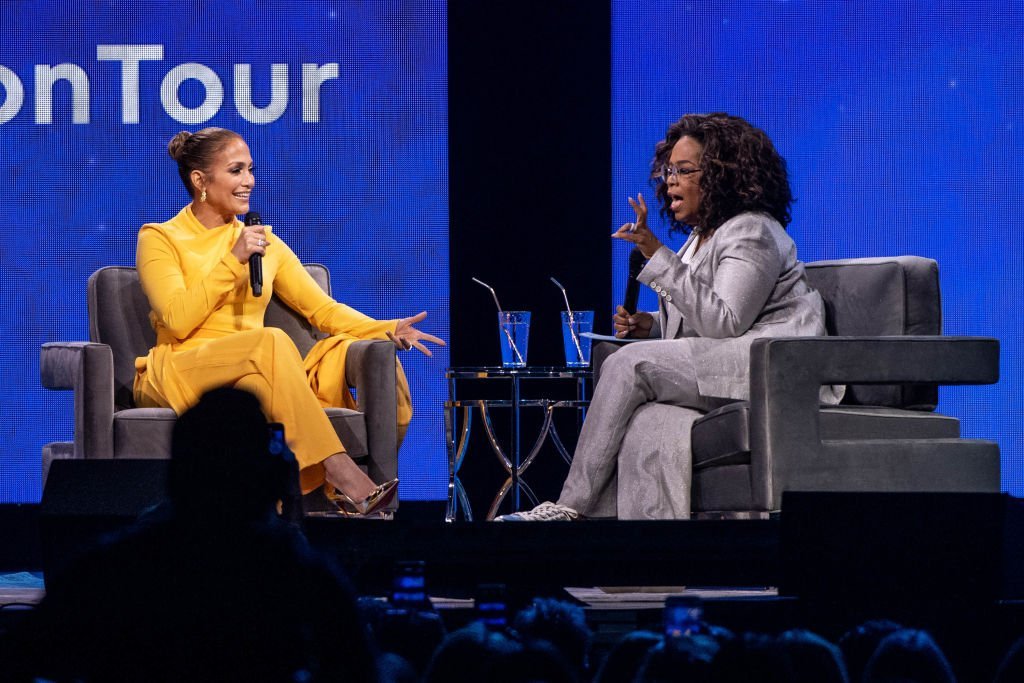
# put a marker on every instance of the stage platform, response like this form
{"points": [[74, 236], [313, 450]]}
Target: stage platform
{"points": [[902, 547]]}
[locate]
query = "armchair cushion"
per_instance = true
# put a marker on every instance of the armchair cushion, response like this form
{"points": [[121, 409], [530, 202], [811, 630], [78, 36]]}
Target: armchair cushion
{"points": [[119, 317], [875, 297], [722, 437], [143, 433]]}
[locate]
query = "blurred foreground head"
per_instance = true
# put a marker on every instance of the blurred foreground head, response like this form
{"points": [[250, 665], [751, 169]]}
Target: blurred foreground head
{"points": [[221, 468]]}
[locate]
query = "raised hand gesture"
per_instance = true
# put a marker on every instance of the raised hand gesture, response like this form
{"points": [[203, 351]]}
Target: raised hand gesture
{"points": [[406, 336], [638, 233]]}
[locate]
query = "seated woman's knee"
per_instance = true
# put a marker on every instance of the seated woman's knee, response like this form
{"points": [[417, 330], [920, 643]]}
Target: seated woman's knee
{"points": [[277, 334], [622, 361], [275, 337]]}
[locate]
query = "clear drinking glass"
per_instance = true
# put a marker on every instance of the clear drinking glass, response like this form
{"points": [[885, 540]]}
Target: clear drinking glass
{"points": [[513, 335], [577, 347]]}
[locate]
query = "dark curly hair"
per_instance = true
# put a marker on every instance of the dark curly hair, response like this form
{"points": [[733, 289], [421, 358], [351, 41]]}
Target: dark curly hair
{"points": [[741, 171]]}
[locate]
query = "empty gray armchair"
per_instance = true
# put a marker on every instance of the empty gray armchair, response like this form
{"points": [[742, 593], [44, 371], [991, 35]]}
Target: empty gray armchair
{"points": [[886, 318], [102, 371]]}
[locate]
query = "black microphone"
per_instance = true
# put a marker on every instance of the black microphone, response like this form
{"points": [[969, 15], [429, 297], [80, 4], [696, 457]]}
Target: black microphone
{"points": [[636, 264], [256, 260]]}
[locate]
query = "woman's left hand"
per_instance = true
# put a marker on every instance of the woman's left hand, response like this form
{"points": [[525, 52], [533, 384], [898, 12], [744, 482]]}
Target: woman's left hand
{"points": [[406, 336], [638, 233]]}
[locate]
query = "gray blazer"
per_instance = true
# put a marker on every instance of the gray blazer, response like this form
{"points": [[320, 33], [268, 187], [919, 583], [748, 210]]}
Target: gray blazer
{"points": [[745, 282]]}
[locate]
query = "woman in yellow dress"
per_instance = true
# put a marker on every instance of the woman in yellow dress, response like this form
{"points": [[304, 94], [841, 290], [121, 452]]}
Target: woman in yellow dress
{"points": [[194, 270]]}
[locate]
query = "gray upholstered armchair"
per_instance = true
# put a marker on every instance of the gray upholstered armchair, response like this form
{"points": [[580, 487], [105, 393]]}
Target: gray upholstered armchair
{"points": [[101, 373], [885, 318]]}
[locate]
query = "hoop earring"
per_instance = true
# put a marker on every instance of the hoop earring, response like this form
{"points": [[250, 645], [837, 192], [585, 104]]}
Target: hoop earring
{"points": [[202, 197]]}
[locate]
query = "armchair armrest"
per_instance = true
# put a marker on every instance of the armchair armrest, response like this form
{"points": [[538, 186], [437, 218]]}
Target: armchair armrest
{"points": [[86, 368], [785, 378], [370, 370], [927, 359]]}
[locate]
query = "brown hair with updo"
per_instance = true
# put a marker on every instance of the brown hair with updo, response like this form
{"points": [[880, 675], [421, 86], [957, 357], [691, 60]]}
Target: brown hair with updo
{"points": [[195, 151], [740, 171]]}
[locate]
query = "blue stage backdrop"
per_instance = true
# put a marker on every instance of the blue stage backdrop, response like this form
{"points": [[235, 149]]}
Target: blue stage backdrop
{"points": [[903, 126], [344, 106]]}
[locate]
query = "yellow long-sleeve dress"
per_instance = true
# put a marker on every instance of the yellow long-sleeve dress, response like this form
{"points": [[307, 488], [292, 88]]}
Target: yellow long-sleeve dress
{"points": [[210, 334]]}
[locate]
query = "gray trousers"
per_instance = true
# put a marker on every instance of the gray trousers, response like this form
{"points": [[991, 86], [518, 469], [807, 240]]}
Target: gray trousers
{"points": [[633, 459]]}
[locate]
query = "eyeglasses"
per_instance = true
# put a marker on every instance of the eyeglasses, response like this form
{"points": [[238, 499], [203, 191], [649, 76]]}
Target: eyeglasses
{"points": [[670, 171]]}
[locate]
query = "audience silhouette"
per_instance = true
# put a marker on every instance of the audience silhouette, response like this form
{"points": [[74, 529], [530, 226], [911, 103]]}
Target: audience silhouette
{"points": [[811, 658], [1011, 669], [409, 636], [472, 653], [624, 659], [561, 624], [859, 643], [212, 586], [908, 655]]}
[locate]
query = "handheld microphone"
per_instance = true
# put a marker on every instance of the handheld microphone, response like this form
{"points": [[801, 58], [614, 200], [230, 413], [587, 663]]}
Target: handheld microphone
{"points": [[636, 264], [256, 260]]}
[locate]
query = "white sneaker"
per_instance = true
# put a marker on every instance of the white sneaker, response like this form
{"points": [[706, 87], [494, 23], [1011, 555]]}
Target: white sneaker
{"points": [[545, 512]]}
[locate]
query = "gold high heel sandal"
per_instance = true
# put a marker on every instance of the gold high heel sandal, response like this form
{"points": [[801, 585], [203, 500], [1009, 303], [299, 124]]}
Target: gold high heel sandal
{"points": [[378, 498]]}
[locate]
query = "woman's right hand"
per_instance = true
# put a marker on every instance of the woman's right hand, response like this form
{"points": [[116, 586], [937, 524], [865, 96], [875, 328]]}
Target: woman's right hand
{"points": [[407, 337], [252, 240], [635, 325]]}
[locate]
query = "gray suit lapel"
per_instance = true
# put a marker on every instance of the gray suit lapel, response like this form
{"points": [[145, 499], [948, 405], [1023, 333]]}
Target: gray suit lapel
{"points": [[671, 321], [697, 262]]}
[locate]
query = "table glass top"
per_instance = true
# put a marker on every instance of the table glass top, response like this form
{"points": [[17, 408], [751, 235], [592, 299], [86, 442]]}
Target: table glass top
{"points": [[529, 372]]}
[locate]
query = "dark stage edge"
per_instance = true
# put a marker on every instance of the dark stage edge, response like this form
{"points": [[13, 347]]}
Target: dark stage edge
{"points": [[543, 558], [901, 547], [539, 557]]}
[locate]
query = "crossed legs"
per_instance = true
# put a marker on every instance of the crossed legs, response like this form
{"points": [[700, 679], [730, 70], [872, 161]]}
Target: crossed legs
{"points": [[657, 372]]}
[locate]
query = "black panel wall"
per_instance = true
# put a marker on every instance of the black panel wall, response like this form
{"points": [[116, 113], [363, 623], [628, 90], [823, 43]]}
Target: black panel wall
{"points": [[529, 91], [529, 144]]}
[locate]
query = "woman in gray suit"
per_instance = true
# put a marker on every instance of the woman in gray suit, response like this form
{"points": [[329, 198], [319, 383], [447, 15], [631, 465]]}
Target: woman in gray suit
{"points": [[736, 278]]}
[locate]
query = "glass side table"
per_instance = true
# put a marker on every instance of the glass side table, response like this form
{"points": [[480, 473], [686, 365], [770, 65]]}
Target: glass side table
{"points": [[512, 460]]}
